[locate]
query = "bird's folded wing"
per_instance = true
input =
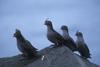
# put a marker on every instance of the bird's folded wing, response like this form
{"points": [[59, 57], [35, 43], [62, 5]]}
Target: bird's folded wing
{"points": [[29, 46], [58, 36]]}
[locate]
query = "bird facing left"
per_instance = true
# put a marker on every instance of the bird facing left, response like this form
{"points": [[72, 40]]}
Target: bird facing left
{"points": [[24, 46]]}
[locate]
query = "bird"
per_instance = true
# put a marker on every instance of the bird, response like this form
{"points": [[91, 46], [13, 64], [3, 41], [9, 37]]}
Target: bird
{"points": [[82, 46], [55, 37], [24, 46], [68, 38], [52, 35]]}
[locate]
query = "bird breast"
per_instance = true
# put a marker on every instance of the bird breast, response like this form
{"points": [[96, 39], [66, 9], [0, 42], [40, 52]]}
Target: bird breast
{"points": [[20, 46], [51, 36]]}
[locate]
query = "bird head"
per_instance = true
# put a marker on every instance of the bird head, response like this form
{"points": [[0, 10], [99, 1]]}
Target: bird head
{"points": [[48, 23], [79, 33], [64, 27], [17, 33]]}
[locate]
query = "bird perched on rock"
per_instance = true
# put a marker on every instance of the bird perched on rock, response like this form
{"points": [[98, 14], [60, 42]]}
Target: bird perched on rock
{"points": [[54, 36], [82, 46], [67, 37], [24, 45]]}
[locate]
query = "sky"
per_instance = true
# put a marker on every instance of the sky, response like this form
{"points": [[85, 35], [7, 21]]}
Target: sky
{"points": [[29, 16]]}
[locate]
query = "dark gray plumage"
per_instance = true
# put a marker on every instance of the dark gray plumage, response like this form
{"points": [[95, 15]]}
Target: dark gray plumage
{"points": [[54, 36], [82, 46], [24, 45], [67, 37]]}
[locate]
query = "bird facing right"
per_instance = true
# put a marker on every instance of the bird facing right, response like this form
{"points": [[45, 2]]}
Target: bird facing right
{"points": [[82, 46]]}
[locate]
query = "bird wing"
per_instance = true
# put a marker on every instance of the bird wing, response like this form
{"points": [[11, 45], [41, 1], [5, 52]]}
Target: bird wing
{"points": [[58, 36], [86, 47], [29, 47], [72, 42]]}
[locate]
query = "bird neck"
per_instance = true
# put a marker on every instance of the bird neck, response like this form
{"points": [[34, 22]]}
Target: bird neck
{"points": [[50, 28], [65, 33], [21, 38], [80, 38]]}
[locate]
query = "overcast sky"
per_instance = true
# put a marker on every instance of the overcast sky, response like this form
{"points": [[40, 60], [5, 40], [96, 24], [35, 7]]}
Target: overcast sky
{"points": [[29, 17]]}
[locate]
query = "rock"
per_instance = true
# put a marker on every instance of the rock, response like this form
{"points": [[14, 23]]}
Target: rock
{"points": [[50, 57]]}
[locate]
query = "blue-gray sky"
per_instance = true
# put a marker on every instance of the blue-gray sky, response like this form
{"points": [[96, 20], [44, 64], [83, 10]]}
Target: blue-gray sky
{"points": [[29, 16]]}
